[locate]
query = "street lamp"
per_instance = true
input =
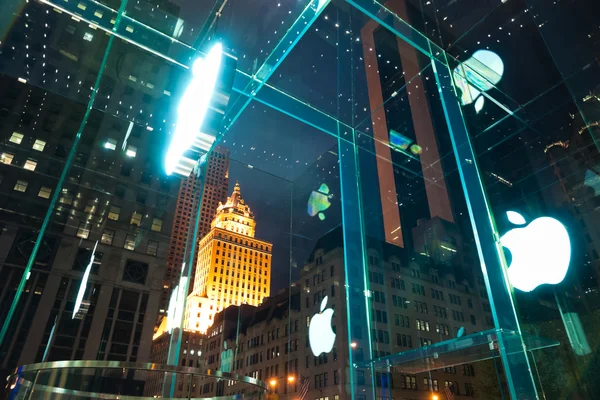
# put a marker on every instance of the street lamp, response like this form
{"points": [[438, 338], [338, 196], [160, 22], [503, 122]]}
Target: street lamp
{"points": [[273, 382], [435, 397]]}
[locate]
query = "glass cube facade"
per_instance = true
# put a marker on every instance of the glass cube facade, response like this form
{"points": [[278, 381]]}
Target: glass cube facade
{"points": [[300, 199]]}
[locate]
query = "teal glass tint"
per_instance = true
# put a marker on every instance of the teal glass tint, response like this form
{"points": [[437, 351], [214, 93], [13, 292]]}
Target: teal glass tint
{"points": [[342, 238]]}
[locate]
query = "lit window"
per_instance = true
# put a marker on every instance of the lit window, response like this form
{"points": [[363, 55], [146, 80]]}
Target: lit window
{"points": [[157, 224], [136, 218], [91, 207], [16, 138], [129, 242], [152, 247], [131, 151], [107, 236], [30, 165], [66, 197], [45, 192], [114, 213], [39, 145], [21, 186], [6, 158], [84, 230], [110, 144], [88, 36]]}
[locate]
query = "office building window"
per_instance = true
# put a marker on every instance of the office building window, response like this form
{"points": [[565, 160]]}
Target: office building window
{"points": [[16, 138], [45, 192], [84, 230], [39, 145], [157, 224], [30, 164], [136, 218], [90, 208], [6, 158], [131, 151], [21, 186], [107, 236], [152, 248], [129, 242], [110, 144], [114, 213]]}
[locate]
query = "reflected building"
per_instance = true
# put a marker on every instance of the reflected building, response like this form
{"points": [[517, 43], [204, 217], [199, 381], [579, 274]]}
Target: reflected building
{"points": [[387, 61], [576, 165], [214, 192], [413, 304], [115, 196]]}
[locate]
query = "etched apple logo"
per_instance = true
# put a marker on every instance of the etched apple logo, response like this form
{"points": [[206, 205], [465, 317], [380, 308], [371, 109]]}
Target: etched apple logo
{"points": [[320, 335], [541, 252], [319, 202]]}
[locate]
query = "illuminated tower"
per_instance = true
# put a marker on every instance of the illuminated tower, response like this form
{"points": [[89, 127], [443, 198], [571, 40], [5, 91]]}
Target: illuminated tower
{"points": [[233, 267]]}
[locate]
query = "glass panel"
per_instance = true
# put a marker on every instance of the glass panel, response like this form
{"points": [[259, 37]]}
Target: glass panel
{"points": [[336, 229]]}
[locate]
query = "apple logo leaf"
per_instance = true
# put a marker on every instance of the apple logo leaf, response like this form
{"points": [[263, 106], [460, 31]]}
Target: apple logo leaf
{"points": [[323, 304], [479, 104], [515, 218]]}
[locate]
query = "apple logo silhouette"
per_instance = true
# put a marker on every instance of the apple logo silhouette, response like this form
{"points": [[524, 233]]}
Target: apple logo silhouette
{"points": [[476, 75], [319, 201], [541, 252], [320, 335]]}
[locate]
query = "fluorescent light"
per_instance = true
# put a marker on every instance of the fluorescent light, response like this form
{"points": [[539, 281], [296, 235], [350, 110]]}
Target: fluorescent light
{"points": [[193, 107]]}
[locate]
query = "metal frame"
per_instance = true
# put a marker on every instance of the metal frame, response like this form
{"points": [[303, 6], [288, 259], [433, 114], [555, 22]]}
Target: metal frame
{"points": [[252, 87], [260, 387]]}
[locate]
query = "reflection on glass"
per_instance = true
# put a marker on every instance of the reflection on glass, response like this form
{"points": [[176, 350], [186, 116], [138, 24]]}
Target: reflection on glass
{"points": [[319, 201], [476, 75]]}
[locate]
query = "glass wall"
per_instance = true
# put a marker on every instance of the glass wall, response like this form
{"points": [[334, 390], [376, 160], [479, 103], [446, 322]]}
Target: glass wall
{"points": [[360, 224]]}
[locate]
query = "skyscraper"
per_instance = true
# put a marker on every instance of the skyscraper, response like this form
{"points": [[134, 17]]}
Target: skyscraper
{"points": [[233, 266], [215, 192]]}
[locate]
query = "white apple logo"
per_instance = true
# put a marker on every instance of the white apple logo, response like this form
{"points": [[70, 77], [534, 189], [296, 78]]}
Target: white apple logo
{"points": [[541, 252], [320, 335]]}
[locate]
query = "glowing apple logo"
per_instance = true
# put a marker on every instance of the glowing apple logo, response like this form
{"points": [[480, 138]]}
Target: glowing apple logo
{"points": [[320, 335], [192, 109], [319, 201], [476, 75], [541, 252]]}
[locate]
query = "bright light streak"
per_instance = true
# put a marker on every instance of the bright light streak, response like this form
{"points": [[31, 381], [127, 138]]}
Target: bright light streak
{"points": [[84, 280], [176, 304], [193, 107]]}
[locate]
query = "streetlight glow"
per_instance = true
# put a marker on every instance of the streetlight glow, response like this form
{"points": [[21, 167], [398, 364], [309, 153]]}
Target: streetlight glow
{"points": [[291, 378], [273, 382]]}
